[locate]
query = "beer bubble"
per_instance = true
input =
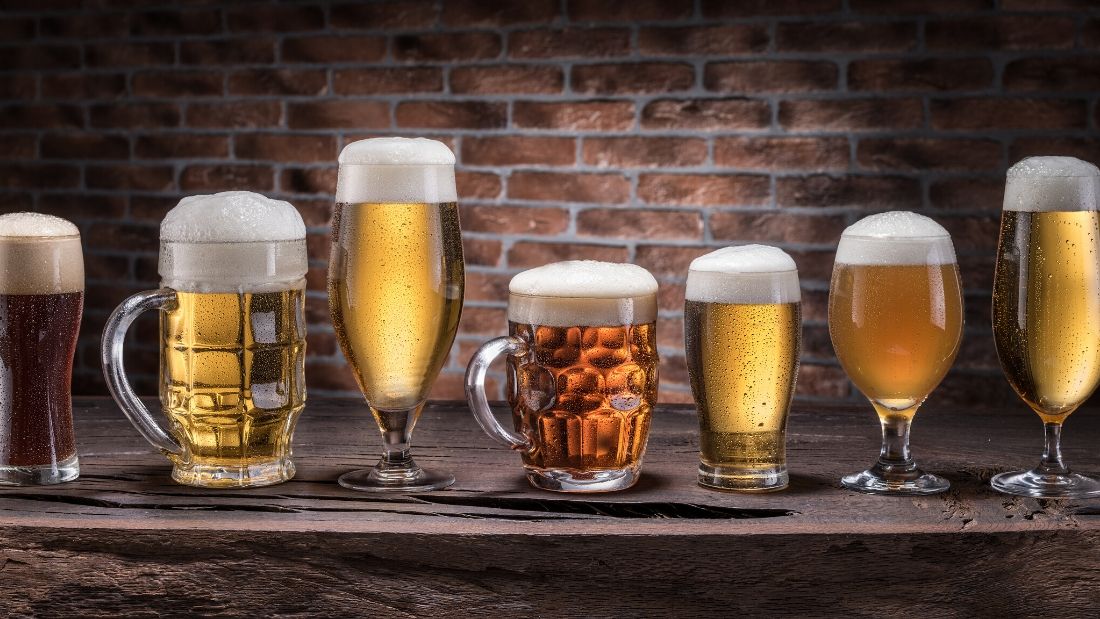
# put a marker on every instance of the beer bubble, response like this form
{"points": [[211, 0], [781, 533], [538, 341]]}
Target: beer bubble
{"points": [[895, 238], [35, 225], [746, 274], [583, 292], [396, 171], [232, 217], [39, 254], [1052, 183]]}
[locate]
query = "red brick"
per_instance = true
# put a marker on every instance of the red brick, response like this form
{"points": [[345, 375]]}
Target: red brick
{"points": [[13, 28], [128, 237], [724, 9], [81, 205], [278, 82], [274, 18], [323, 375], [87, 25], [495, 13], [25, 175], [821, 381], [81, 145], [639, 77], [507, 79], [920, 75], [775, 76], [670, 297], [394, 15], [326, 49], [108, 268], [481, 286], [19, 147], [854, 36], [132, 177], [23, 87], [518, 150], [627, 10], [850, 114], [876, 192], [175, 22], [668, 261], [668, 394], [569, 187], [228, 51], [528, 254], [1075, 74], [150, 209], [451, 114], [897, 7], [283, 147], [962, 390], [177, 84], [226, 177], [135, 115], [387, 80], [1049, 5], [340, 114], [181, 146], [976, 233], [478, 185], [1090, 33], [483, 321], [34, 57], [706, 114], [990, 33], [576, 115], [78, 86], [443, 47], [620, 223], [319, 245], [967, 193], [309, 181], [235, 114], [928, 154], [481, 252], [1008, 114], [814, 265], [506, 219], [776, 227], [14, 202], [450, 385], [42, 117], [128, 54], [703, 41], [315, 213], [1087, 148], [321, 343], [704, 189], [781, 153], [569, 43], [644, 152]]}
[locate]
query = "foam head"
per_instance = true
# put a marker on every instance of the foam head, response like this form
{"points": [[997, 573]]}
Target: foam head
{"points": [[39, 254], [396, 170], [583, 293], [746, 274], [230, 242], [1039, 184], [896, 237]]}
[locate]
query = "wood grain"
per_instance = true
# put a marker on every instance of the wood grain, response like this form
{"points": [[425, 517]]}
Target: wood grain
{"points": [[125, 539]]}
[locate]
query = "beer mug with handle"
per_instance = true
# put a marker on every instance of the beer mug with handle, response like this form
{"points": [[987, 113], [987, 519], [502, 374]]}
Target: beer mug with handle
{"points": [[232, 349], [582, 374]]}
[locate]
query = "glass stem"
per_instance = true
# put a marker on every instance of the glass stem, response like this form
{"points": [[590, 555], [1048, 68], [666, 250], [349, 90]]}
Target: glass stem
{"points": [[396, 427], [895, 456], [1052, 464]]}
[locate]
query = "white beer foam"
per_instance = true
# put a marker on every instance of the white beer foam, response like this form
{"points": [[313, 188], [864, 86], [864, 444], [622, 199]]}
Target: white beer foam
{"points": [[746, 274], [396, 170], [1039, 184], [583, 293], [231, 217], [39, 254], [895, 237]]}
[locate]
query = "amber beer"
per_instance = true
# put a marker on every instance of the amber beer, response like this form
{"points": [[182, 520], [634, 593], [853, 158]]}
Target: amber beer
{"points": [[41, 298], [742, 338]]}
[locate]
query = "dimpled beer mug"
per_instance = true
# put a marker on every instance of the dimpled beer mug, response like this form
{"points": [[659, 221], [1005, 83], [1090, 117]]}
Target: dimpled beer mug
{"points": [[232, 349], [41, 297], [582, 374]]}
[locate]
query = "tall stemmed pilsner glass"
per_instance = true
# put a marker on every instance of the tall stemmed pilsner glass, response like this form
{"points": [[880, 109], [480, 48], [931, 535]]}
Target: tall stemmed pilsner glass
{"points": [[895, 318], [395, 288], [1046, 307]]}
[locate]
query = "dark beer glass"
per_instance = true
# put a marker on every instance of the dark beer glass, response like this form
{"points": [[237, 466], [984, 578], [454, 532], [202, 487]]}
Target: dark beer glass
{"points": [[41, 297]]}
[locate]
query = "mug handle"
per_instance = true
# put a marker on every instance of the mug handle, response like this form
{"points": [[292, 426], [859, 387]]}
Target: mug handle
{"points": [[475, 390], [110, 355]]}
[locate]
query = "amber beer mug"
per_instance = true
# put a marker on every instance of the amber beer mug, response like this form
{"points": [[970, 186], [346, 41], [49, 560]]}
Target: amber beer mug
{"points": [[232, 349], [41, 297], [582, 374]]}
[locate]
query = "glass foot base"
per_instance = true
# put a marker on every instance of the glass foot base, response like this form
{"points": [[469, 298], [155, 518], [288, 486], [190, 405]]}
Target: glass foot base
{"points": [[396, 479], [1046, 486], [914, 482], [40, 475], [565, 480], [220, 476], [742, 479]]}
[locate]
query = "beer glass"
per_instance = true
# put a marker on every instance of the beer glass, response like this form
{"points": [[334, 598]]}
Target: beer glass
{"points": [[895, 319], [395, 285], [582, 374], [742, 335], [1046, 308], [232, 349], [41, 297]]}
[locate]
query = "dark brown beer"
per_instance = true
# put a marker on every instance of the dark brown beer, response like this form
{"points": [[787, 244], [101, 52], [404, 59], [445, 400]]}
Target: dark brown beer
{"points": [[38, 335]]}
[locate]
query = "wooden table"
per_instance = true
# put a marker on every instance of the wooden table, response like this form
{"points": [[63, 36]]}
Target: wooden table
{"points": [[124, 539]]}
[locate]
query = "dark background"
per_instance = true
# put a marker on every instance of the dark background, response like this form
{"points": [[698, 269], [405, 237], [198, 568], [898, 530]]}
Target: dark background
{"points": [[633, 130]]}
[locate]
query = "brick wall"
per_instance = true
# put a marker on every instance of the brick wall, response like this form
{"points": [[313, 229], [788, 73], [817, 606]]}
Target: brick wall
{"points": [[638, 130]]}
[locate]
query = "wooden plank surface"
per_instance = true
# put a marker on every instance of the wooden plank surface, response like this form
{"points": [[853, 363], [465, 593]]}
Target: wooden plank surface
{"points": [[126, 539]]}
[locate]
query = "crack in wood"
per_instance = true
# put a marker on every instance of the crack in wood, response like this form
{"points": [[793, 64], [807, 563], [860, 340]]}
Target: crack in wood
{"points": [[668, 510]]}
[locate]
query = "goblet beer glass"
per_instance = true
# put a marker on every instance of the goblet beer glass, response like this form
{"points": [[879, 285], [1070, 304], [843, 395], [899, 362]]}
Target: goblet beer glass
{"points": [[395, 287], [582, 374], [742, 335], [895, 318], [1046, 308], [232, 348]]}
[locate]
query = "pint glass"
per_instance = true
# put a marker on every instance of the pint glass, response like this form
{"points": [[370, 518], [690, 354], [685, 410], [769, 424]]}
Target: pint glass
{"points": [[232, 349], [582, 374]]}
